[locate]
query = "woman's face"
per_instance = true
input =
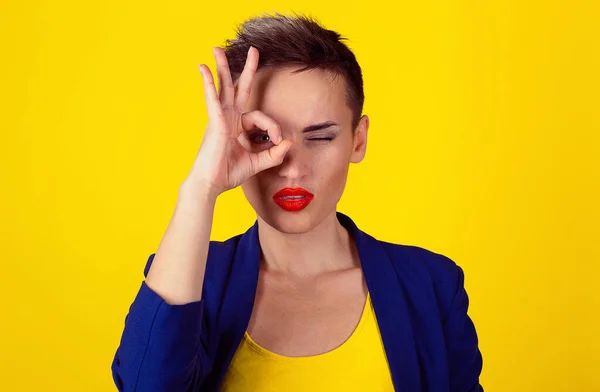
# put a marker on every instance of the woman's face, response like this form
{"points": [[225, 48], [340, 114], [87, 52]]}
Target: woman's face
{"points": [[295, 102]]}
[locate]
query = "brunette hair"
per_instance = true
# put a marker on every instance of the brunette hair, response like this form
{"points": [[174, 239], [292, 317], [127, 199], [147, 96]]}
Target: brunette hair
{"points": [[298, 40]]}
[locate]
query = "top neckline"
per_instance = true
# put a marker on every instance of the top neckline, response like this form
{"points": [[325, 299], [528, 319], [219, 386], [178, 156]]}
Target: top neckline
{"points": [[270, 354]]}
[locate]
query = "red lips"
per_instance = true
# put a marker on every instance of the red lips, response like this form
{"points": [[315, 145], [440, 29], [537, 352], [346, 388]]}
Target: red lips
{"points": [[304, 198]]}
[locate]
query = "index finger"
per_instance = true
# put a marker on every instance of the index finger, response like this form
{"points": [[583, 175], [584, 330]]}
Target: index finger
{"points": [[246, 78]]}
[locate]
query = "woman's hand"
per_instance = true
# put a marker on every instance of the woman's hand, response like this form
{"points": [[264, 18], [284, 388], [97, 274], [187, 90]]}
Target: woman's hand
{"points": [[225, 159]]}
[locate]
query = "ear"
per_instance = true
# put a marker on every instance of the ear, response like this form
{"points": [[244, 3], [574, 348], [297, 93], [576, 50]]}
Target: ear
{"points": [[359, 148]]}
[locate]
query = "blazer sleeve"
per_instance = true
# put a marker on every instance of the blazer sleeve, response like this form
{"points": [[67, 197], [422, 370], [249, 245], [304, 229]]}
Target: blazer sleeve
{"points": [[161, 346], [464, 357]]}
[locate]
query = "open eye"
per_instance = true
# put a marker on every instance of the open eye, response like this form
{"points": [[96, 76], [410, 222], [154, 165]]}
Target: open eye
{"points": [[260, 137]]}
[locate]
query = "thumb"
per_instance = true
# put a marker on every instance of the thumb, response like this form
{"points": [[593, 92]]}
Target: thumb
{"points": [[273, 156]]}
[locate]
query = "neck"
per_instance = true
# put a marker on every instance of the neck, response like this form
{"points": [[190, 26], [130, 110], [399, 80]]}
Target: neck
{"points": [[328, 247]]}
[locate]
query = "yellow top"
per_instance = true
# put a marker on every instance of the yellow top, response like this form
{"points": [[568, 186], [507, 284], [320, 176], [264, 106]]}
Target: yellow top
{"points": [[359, 364]]}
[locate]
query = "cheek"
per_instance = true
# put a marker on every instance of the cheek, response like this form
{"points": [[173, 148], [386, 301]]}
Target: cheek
{"points": [[339, 176], [334, 176], [257, 187], [251, 190]]}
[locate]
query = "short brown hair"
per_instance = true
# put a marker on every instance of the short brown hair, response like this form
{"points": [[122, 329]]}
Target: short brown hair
{"points": [[286, 40]]}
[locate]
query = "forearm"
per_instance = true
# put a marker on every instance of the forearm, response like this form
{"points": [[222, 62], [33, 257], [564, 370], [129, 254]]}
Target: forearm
{"points": [[177, 272]]}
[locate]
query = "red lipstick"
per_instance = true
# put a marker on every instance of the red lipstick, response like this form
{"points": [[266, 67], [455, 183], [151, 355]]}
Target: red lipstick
{"points": [[293, 199]]}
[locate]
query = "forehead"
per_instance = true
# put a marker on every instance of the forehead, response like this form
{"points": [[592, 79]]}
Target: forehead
{"points": [[303, 98]]}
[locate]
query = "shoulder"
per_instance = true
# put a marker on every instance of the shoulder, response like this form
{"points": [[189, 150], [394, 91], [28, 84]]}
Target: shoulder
{"points": [[411, 256], [428, 269], [220, 257], [223, 249]]}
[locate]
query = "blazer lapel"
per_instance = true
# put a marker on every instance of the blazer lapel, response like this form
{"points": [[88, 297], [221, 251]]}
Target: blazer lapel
{"points": [[239, 297], [390, 307]]}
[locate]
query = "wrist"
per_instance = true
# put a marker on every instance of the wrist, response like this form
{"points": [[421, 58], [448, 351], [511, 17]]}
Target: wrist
{"points": [[197, 191]]}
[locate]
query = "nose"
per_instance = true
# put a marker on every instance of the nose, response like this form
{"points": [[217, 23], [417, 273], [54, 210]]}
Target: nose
{"points": [[295, 164]]}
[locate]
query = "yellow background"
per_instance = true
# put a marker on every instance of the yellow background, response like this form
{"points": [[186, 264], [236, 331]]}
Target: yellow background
{"points": [[483, 146]]}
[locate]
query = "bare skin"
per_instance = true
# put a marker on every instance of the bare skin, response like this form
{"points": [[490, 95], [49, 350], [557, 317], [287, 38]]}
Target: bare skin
{"points": [[296, 316]]}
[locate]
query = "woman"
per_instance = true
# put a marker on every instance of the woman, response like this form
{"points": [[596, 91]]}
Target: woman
{"points": [[304, 299]]}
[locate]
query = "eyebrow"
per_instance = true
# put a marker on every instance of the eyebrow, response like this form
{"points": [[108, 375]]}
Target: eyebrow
{"points": [[319, 126]]}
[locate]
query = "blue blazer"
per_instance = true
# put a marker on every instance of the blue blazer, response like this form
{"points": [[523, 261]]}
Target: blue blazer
{"points": [[418, 296]]}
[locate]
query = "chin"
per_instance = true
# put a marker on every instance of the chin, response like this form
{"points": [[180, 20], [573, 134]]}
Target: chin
{"points": [[296, 222], [287, 222]]}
